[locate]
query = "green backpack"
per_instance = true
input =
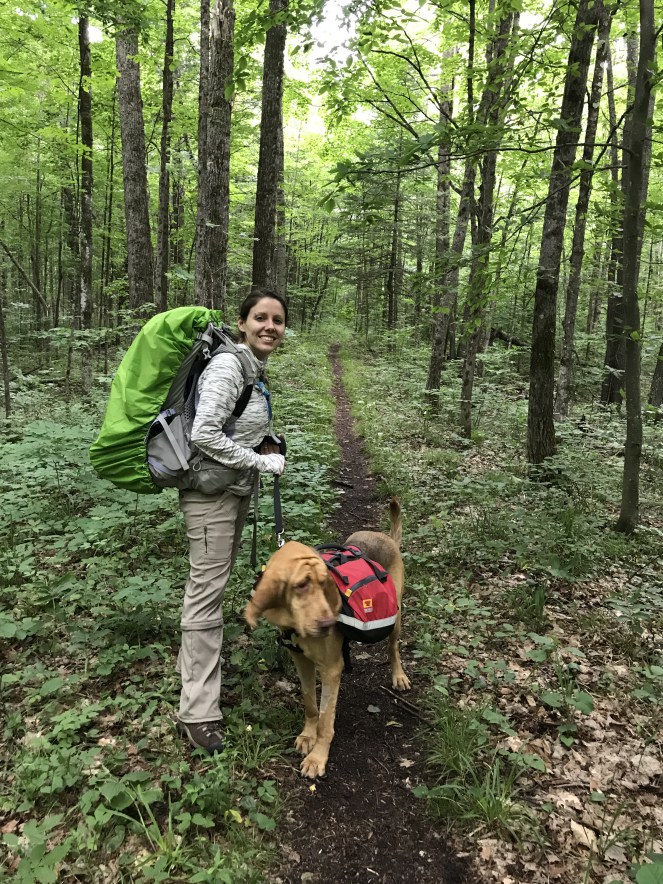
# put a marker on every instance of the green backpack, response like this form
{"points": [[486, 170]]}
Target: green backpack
{"points": [[144, 443]]}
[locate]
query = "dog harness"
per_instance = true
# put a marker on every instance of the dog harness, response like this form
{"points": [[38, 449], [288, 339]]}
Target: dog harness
{"points": [[368, 593], [284, 640]]}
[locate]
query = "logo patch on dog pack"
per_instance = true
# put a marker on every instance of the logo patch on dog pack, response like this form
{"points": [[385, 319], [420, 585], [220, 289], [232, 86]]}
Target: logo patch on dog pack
{"points": [[368, 594]]}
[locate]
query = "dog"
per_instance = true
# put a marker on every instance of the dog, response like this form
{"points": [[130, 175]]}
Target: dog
{"points": [[297, 594]]}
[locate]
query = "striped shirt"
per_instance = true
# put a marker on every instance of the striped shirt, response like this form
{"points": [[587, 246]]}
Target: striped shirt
{"points": [[219, 388]]}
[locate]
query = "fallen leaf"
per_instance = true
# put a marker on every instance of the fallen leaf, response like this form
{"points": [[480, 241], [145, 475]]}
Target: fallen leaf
{"points": [[9, 827], [616, 854], [405, 762], [647, 765], [584, 836], [488, 848]]}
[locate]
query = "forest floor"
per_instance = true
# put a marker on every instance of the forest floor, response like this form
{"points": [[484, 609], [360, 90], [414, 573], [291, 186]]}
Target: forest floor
{"points": [[530, 748], [361, 822], [554, 685]]}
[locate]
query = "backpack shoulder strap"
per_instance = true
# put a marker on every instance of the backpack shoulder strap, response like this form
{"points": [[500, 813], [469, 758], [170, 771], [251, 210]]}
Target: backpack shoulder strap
{"points": [[224, 343]]}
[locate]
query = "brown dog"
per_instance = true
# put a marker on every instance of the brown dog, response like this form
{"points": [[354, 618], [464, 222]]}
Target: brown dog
{"points": [[296, 593]]}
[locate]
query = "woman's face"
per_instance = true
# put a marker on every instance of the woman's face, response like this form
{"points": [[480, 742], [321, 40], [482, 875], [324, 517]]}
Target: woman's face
{"points": [[264, 327]]}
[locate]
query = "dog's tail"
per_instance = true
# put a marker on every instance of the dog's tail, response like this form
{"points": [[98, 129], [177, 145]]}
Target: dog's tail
{"points": [[396, 531]]}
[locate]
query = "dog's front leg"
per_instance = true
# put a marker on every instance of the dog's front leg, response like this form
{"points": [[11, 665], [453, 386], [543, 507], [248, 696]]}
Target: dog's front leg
{"points": [[306, 671], [315, 763]]}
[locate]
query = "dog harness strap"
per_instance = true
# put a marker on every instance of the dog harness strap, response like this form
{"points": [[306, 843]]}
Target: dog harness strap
{"points": [[337, 574], [284, 640], [358, 585]]}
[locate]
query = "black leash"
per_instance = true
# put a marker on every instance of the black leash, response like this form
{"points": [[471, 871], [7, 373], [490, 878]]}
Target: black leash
{"points": [[278, 517]]}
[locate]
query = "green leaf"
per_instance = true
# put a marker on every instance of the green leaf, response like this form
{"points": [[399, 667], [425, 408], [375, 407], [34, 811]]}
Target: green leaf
{"points": [[538, 655], [582, 702], [266, 823], [651, 874], [51, 686], [555, 699]]}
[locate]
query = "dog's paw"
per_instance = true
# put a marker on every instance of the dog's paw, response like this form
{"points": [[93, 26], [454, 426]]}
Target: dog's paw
{"points": [[400, 681], [313, 766], [304, 743]]}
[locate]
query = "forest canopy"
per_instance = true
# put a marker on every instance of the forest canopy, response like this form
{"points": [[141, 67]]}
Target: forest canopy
{"points": [[469, 173]]}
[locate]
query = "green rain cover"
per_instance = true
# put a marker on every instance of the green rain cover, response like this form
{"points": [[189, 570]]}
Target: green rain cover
{"points": [[138, 392]]}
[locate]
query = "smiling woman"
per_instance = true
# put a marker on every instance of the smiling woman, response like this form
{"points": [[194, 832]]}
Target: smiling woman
{"points": [[235, 450], [262, 321]]}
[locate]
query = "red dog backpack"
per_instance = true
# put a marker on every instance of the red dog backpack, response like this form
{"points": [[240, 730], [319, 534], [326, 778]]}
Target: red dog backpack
{"points": [[368, 594]]}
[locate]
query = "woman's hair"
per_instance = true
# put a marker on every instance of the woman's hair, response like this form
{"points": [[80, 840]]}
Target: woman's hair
{"points": [[251, 300]]}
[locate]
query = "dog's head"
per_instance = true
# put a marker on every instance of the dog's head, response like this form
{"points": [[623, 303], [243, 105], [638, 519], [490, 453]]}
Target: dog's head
{"points": [[295, 592]]}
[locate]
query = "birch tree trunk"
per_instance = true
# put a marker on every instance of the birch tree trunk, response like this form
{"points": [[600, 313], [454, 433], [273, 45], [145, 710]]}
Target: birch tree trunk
{"points": [[264, 229], [136, 202], [635, 190], [540, 425]]}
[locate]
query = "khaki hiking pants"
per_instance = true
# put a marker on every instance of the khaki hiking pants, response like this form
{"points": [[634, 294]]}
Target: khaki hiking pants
{"points": [[214, 527]]}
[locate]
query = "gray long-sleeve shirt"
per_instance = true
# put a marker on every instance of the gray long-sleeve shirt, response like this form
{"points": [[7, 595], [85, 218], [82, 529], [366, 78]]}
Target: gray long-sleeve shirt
{"points": [[219, 388]]}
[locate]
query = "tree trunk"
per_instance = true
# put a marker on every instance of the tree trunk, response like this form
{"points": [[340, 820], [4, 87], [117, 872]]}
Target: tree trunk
{"points": [[107, 227], [615, 345], [3, 349], [85, 112], [390, 282], [177, 215], [635, 190], [490, 116], [442, 240], [281, 257], [136, 202], [216, 189], [200, 292], [446, 309], [264, 230], [656, 389], [565, 379], [540, 426], [163, 222]]}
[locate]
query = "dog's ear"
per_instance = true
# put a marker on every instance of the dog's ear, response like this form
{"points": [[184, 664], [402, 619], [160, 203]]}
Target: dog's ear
{"points": [[332, 595], [267, 594]]}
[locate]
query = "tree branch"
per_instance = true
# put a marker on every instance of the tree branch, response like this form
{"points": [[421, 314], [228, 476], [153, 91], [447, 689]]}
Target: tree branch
{"points": [[25, 276]]}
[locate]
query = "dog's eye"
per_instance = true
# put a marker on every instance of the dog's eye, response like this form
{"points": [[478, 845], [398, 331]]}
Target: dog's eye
{"points": [[302, 586]]}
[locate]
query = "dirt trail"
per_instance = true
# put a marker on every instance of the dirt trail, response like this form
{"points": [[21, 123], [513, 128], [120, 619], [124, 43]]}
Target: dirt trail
{"points": [[361, 822]]}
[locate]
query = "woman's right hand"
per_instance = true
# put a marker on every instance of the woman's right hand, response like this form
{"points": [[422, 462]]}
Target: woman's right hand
{"points": [[272, 463]]}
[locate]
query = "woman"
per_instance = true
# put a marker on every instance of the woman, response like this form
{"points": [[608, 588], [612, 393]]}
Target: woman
{"points": [[214, 522]]}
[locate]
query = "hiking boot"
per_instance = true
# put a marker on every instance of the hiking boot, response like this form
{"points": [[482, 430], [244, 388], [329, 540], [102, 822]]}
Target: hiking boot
{"points": [[205, 735]]}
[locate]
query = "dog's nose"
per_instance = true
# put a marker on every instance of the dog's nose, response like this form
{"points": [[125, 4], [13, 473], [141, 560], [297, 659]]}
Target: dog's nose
{"points": [[326, 624]]}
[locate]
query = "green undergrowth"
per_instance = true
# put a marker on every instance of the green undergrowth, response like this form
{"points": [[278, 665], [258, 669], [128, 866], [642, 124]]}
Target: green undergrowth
{"points": [[91, 581], [531, 620]]}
